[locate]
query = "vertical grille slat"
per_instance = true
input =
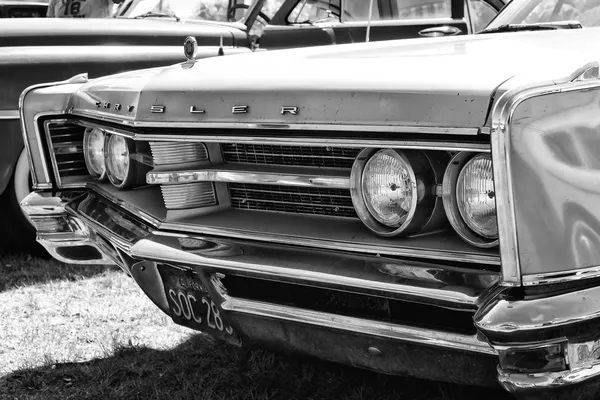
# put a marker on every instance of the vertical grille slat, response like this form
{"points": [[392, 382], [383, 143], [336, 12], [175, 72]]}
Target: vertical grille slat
{"points": [[67, 145]]}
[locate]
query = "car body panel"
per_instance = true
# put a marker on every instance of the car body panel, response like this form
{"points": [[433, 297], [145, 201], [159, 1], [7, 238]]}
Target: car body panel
{"points": [[555, 146], [452, 95]]}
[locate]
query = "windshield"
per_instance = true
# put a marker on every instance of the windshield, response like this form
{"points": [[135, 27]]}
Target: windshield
{"points": [[587, 12], [210, 10]]}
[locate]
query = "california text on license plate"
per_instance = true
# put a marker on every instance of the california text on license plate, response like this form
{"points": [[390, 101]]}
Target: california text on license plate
{"points": [[191, 304]]}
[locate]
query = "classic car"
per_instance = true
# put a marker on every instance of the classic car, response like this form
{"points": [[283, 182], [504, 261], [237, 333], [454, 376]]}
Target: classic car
{"points": [[429, 209], [23, 8], [147, 33]]}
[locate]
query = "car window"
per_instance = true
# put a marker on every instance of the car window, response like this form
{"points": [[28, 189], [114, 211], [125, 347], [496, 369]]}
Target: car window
{"points": [[481, 14], [538, 11], [424, 9], [358, 10], [271, 7], [397, 9], [314, 10], [210, 10]]}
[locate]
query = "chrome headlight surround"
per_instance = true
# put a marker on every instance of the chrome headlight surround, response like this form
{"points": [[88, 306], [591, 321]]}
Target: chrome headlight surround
{"points": [[135, 171], [96, 172], [449, 197], [423, 180]]}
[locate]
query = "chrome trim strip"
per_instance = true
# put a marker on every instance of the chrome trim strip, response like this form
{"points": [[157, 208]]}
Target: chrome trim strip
{"points": [[435, 130], [561, 277], [81, 78], [107, 129], [506, 315], [9, 114], [318, 141], [520, 382], [223, 256], [252, 177], [331, 245], [505, 212], [145, 217], [365, 327]]}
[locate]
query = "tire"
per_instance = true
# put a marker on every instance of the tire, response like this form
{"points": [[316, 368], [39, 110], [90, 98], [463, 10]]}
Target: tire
{"points": [[16, 231]]}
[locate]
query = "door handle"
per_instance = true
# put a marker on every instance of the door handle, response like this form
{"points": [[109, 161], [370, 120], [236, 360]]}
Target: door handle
{"points": [[444, 30]]}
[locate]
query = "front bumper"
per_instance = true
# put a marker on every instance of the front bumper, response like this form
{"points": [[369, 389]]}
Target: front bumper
{"points": [[91, 229]]}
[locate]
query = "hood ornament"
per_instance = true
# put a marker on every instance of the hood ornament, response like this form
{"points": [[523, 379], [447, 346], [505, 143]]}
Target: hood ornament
{"points": [[190, 48]]}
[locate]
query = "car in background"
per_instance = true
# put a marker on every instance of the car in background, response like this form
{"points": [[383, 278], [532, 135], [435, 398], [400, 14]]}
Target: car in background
{"points": [[147, 33], [414, 207], [23, 8]]}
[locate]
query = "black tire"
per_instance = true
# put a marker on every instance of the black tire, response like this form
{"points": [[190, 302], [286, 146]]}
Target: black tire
{"points": [[17, 235]]}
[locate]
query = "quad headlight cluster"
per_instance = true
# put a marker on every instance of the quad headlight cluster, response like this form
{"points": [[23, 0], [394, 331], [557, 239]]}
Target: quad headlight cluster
{"points": [[397, 192], [113, 157]]}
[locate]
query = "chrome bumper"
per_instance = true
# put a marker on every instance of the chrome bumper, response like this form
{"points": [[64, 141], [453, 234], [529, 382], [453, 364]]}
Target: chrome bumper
{"points": [[90, 229]]}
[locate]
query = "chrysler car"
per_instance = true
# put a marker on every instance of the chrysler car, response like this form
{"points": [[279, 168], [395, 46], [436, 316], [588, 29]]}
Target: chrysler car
{"points": [[426, 207]]}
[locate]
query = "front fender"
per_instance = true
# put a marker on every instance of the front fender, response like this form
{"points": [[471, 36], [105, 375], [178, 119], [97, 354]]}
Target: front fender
{"points": [[554, 155]]}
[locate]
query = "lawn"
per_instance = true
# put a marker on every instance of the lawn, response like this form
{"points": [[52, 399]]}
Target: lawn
{"points": [[72, 332]]}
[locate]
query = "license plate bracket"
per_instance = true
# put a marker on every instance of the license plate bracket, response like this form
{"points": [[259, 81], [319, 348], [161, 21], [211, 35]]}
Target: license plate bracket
{"points": [[191, 304]]}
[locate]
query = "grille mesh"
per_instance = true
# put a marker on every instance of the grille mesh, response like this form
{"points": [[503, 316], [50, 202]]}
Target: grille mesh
{"points": [[318, 201], [67, 144], [308, 156]]}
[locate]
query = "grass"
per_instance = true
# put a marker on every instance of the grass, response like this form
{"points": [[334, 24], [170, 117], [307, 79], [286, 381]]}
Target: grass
{"points": [[72, 332]]}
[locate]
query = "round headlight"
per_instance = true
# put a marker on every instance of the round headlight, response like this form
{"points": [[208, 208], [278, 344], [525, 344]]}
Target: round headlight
{"points": [[476, 198], [394, 192], [93, 152], [117, 160], [389, 188]]}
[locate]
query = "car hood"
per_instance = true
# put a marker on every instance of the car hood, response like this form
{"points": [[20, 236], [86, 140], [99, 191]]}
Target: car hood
{"points": [[446, 82], [115, 31]]}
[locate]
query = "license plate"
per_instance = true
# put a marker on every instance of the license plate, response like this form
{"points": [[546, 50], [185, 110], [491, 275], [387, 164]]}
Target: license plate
{"points": [[192, 306]]}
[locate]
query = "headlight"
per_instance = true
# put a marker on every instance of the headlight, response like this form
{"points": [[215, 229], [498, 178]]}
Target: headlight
{"points": [[476, 197], [117, 160], [93, 152], [389, 188], [469, 198], [394, 192]]}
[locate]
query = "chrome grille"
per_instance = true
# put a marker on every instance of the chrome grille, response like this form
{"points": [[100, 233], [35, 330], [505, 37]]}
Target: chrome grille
{"points": [[165, 153], [192, 195], [318, 201], [308, 156], [67, 144]]}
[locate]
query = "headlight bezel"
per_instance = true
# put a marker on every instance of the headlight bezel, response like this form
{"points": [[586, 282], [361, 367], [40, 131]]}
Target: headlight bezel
{"points": [[463, 212], [424, 210], [450, 201], [136, 170], [100, 177]]}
